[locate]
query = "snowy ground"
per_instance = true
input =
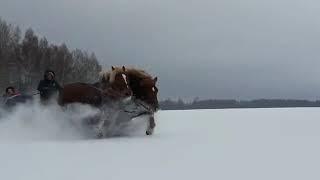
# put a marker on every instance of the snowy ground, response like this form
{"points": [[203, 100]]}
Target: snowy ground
{"points": [[230, 144]]}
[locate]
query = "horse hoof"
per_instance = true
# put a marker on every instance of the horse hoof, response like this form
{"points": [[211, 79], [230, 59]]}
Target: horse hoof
{"points": [[99, 135], [149, 132]]}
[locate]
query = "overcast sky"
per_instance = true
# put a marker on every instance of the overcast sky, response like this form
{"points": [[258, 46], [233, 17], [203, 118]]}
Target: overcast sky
{"points": [[209, 49]]}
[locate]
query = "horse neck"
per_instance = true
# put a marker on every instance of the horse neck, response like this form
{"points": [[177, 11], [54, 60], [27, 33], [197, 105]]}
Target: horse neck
{"points": [[134, 83]]}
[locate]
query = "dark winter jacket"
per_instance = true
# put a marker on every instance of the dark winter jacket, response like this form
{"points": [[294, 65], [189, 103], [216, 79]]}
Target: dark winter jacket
{"points": [[48, 88]]}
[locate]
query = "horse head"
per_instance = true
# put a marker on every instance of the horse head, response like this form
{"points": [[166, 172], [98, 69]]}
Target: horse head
{"points": [[150, 96], [144, 87], [115, 83]]}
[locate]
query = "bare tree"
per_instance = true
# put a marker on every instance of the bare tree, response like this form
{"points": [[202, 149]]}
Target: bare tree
{"points": [[23, 61]]}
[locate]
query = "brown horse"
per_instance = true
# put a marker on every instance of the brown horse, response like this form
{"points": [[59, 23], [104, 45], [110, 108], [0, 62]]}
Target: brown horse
{"points": [[80, 93], [95, 94], [143, 87], [145, 92]]}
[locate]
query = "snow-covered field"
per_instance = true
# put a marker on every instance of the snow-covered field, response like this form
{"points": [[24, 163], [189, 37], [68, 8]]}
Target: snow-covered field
{"points": [[232, 144]]}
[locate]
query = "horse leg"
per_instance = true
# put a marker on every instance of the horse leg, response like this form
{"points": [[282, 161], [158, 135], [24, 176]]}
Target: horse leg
{"points": [[96, 123], [107, 123], [151, 125], [99, 129]]}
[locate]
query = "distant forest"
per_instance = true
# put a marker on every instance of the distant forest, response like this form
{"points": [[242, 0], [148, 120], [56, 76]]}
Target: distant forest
{"points": [[24, 57], [224, 104]]}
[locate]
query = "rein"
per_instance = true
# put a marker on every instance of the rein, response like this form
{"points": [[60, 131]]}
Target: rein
{"points": [[144, 106], [138, 102], [35, 94], [146, 110]]}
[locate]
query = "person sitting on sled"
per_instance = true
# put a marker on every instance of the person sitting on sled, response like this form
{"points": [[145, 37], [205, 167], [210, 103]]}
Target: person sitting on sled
{"points": [[13, 97], [11, 92]]}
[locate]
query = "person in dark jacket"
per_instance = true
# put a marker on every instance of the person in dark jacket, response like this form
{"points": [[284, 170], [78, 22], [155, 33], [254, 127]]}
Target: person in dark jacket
{"points": [[48, 86]]}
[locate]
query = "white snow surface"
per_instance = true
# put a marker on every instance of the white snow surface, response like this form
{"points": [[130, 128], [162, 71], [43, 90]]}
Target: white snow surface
{"points": [[248, 144]]}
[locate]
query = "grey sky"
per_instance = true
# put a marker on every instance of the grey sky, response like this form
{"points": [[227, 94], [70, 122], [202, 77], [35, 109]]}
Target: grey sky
{"points": [[210, 49]]}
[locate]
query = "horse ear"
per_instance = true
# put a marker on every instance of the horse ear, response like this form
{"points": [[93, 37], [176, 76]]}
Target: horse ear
{"points": [[123, 68], [155, 79], [113, 68]]}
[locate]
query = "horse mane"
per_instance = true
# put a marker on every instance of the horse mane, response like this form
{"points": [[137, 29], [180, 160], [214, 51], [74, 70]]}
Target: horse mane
{"points": [[138, 73], [104, 74], [110, 74]]}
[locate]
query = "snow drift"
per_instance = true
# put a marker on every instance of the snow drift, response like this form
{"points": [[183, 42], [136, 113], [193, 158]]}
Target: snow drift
{"points": [[224, 144], [32, 121]]}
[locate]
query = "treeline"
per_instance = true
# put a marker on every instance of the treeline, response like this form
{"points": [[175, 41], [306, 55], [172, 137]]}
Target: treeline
{"points": [[223, 104], [24, 57]]}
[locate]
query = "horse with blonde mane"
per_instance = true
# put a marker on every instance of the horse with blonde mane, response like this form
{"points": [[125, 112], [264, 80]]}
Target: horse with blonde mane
{"points": [[99, 92]]}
